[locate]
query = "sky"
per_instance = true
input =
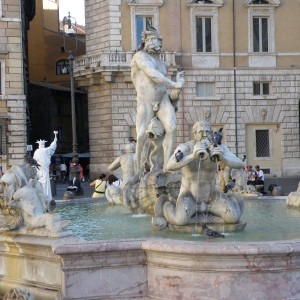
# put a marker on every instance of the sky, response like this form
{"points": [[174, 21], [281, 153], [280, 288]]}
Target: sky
{"points": [[76, 9]]}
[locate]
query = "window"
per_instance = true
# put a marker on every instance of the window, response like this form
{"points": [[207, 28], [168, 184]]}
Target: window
{"points": [[204, 16], [62, 67], [261, 38], [142, 23], [260, 2], [261, 88], [143, 13], [262, 143], [205, 89], [260, 34], [203, 34]]}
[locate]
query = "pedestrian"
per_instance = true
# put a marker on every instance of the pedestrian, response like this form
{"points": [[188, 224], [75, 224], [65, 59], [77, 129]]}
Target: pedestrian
{"points": [[260, 176], [100, 186], [63, 171]]}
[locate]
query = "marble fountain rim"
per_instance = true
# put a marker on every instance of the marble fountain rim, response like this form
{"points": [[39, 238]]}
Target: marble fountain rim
{"points": [[180, 247]]}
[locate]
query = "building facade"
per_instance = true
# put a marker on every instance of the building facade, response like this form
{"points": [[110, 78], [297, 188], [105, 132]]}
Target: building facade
{"points": [[49, 93], [14, 19], [242, 66]]}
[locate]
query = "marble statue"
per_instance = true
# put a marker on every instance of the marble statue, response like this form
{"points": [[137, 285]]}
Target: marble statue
{"points": [[293, 199], [198, 199], [18, 294], [15, 178], [148, 73], [23, 205], [126, 163], [43, 156], [223, 176]]}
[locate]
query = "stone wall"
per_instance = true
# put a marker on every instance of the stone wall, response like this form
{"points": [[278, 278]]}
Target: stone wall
{"points": [[12, 98]]}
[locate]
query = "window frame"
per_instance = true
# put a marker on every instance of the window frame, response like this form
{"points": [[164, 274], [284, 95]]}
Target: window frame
{"points": [[64, 60], [261, 88], [146, 8], [261, 11], [202, 11], [206, 96]]}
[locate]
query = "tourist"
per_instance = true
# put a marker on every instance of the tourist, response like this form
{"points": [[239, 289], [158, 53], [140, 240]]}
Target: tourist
{"points": [[250, 175], [74, 185], [63, 171], [113, 180], [81, 176], [260, 176], [148, 70], [43, 156], [100, 186]]}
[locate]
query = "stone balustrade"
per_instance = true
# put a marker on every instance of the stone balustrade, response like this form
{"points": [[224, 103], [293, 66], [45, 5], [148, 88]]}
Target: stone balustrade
{"points": [[111, 61]]}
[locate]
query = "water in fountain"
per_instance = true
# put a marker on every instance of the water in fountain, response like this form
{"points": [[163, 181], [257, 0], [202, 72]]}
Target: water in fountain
{"points": [[267, 219]]}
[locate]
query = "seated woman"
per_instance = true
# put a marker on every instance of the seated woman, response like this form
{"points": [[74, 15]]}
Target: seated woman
{"points": [[100, 186], [113, 180]]}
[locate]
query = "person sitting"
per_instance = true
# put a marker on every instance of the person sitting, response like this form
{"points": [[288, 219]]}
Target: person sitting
{"points": [[100, 186], [260, 179], [250, 175], [113, 180], [74, 186]]}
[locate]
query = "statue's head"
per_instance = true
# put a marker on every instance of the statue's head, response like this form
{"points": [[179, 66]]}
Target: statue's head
{"points": [[202, 130], [41, 143], [152, 40], [129, 148]]}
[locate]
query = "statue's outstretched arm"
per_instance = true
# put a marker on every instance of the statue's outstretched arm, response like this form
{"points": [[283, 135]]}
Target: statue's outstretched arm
{"points": [[231, 159], [115, 165]]}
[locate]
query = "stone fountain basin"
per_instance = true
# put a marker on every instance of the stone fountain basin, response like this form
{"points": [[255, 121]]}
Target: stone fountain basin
{"points": [[154, 268]]}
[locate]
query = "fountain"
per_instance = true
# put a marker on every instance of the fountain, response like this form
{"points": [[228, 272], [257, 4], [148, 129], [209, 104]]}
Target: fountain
{"points": [[171, 258]]}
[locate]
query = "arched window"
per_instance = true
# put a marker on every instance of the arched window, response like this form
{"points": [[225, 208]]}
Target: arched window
{"points": [[62, 67]]}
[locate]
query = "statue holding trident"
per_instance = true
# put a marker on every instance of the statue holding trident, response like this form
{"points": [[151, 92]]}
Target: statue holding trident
{"points": [[43, 156], [148, 73]]}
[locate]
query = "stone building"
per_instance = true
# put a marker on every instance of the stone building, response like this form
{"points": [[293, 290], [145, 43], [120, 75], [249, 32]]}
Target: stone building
{"points": [[241, 60], [49, 93], [14, 20]]}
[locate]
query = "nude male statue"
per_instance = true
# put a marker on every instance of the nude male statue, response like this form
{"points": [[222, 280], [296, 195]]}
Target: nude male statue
{"points": [[126, 163], [198, 192], [148, 73]]}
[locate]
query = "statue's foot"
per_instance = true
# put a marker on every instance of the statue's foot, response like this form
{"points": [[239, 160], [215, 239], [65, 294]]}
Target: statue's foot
{"points": [[159, 223]]}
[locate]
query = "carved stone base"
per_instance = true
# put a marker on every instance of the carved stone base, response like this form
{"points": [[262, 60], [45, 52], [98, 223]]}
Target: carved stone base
{"points": [[192, 228], [293, 199]]}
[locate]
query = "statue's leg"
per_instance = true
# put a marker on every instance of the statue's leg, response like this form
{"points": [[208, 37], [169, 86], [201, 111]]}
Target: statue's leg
{"points": [[228, 208], [143, 118], [182, 213], [167, 116]]}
